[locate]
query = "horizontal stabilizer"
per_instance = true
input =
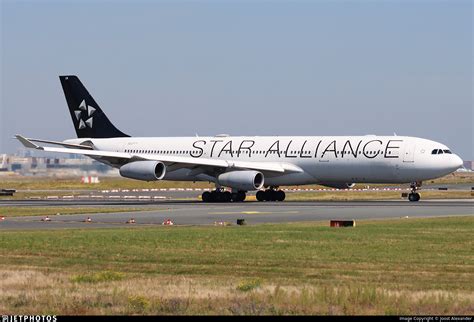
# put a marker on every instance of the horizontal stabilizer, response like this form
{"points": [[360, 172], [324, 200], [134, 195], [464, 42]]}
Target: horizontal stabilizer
{"points": [[27, 143]]}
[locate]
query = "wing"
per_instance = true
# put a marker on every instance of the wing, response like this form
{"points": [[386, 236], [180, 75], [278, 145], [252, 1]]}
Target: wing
{"points": [[118, 159]]}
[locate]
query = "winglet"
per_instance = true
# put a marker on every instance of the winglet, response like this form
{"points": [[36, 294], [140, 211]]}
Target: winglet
{"points": [[27, 143]]}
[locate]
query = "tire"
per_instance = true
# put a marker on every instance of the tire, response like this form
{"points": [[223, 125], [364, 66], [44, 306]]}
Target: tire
{"points": [[226, 196], [260, 195], [268, 195], [215, 196], [206, 196], [273, 195], [280, 194], [241, 195], [414, 197]]}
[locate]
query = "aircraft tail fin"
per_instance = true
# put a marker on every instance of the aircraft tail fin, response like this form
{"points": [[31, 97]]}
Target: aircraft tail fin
{"points": [[88, 118]]}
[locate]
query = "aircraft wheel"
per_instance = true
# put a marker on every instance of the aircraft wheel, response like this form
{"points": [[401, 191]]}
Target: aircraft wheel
{"points": [[206, 196], [268, 195], [226, 196], [414, 196], [260, 195], [280, 194], [215, 196]]}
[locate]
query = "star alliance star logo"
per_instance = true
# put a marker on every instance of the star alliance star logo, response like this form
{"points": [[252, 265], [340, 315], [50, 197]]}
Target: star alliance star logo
{"points": [[86, 109]]}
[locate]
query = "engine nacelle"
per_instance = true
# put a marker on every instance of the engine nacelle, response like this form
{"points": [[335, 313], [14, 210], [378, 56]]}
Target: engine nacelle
{"points": [[338, 185], [143, 170], [246, 180]]}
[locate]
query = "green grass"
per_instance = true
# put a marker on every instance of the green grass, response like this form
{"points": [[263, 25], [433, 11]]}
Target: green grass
{"points": [[50, 211], [98, 277], [405, 266], [394, 252], [249, 284]]}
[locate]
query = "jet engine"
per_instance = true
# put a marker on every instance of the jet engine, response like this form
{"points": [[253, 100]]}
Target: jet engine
{"points": [[143, 170], [245, 180], [338, 185]]}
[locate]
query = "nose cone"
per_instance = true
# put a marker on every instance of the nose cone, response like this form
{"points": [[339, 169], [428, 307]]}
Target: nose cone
{"points": [[456, 162]]}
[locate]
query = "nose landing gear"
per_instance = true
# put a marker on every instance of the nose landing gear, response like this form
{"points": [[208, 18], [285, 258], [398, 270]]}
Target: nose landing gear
{"points": [[413, 195]]}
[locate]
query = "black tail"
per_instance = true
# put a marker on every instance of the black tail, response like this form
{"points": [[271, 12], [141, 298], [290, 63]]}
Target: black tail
{"points": [[87, 117]]}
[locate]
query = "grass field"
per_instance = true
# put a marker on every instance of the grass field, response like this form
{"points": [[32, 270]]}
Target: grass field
{"points": [[404, 266], [49, 183], [50, 211]]}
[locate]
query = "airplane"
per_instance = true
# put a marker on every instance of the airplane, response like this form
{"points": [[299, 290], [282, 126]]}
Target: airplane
{"points": [[249, 163]]}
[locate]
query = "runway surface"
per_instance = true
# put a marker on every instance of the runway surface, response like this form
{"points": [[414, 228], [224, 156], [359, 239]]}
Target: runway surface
{"points": [[198, 213]]}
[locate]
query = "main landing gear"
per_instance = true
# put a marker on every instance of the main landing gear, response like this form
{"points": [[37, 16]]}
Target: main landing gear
{"points": [[219, 195], [413, 195], [271, 195]]}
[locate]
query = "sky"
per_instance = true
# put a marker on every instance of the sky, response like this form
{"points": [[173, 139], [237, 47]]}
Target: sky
{"points": [[181, 68]]}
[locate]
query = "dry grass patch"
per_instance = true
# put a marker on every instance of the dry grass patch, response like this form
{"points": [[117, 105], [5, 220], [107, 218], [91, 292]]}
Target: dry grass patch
{"points": [[43, 292]]}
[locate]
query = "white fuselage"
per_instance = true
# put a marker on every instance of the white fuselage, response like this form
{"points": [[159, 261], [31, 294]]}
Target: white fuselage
{"points": [[323, 159]]}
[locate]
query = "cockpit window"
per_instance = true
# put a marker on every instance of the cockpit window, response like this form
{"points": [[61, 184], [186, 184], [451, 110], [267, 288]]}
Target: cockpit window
{"points": [[439, 151]]}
